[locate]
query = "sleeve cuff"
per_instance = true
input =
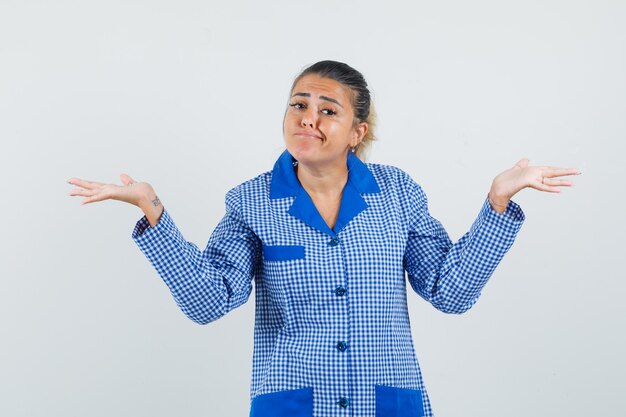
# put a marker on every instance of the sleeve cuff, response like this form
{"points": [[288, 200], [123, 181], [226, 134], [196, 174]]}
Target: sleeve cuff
{"points": [[143, 229], [513, 215]]}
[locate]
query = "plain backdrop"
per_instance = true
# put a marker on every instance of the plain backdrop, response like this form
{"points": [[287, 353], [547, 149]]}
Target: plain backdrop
{"points": [[189, 96]]}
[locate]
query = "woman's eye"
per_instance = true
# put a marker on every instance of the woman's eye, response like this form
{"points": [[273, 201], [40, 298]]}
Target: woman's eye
{"points": [[301, 106]]}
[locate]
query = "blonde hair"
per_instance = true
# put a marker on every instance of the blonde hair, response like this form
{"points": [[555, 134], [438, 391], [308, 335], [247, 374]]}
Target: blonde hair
{"points": [[363, 148]]}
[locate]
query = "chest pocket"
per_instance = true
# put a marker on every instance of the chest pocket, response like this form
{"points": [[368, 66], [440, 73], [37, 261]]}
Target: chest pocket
{"points": [[283, 252], [287, 275]]}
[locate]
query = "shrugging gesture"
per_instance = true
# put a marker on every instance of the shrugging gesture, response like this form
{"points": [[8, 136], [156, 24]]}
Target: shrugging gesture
{"points": [[140, 194], [543, 178]]}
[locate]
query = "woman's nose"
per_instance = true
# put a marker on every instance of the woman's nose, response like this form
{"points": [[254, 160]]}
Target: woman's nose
{"points": [[309, 118]]}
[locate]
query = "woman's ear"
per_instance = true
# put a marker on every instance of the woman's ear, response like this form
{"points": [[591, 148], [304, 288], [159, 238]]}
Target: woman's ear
{"points": [[360, 131]]}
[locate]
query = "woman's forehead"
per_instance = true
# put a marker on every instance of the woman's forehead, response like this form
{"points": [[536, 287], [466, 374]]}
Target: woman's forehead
{"points": [[315, 86]]}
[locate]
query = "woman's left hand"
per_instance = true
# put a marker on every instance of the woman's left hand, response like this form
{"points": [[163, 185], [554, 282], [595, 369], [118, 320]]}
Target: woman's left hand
{"points": [[542, 178]]}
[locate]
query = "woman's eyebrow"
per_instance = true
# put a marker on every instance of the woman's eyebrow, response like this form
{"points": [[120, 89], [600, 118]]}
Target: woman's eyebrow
{"points": [[322, 97]]}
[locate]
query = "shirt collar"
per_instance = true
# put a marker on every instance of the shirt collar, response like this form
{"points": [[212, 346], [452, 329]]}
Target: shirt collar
{"points": [[285, 184]]}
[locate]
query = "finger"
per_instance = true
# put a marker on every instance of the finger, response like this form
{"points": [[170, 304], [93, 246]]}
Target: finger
{"points": [[522, 163], [126, 179], [82, 192], [557, 168], [84, 183], [77, 188], [559, 172], [87, 201], [557, 182], [92, 199], [538, 185]]}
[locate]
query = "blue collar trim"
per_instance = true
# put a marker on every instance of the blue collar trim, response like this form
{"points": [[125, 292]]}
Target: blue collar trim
{"points": [[285, 184]]}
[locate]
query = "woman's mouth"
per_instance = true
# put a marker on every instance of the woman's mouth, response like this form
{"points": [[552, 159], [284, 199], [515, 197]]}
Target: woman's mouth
{"points": [[308, 135]]}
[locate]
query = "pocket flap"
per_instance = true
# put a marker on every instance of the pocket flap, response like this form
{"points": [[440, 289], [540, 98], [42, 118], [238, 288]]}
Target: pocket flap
{"points": [[283, 252]]}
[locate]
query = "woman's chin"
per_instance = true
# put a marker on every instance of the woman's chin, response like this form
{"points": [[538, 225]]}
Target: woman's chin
{"points": [[302, 151]]}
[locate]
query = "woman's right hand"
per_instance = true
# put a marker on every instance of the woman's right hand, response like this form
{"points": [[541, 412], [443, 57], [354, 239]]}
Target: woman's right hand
{"points": [[140, 194], [130, 192]]}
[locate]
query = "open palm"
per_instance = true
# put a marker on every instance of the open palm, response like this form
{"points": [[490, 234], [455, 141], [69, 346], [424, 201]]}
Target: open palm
{"points": [[130, 192], [523, 175]]}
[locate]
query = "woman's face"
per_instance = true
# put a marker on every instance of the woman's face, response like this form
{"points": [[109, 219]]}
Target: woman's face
{"points": [[318, 125]]}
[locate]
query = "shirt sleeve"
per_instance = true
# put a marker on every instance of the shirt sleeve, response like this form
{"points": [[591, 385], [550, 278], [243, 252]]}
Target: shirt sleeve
{"points": [[205, 284], [451, 276]]}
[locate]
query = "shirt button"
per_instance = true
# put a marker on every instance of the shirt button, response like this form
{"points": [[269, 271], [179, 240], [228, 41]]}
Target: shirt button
{"points": [[343, 402], [333, 242], [340, 291], [341, 346]]}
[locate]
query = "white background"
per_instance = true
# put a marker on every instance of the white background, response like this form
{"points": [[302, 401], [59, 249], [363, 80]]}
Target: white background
{"points": [[189, 96]]}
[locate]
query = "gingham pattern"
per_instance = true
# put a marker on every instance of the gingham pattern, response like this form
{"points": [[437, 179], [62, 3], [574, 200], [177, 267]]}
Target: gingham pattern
{"points": [[300, 318]]}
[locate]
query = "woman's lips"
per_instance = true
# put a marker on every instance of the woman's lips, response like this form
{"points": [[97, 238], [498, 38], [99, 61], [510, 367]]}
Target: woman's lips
{"points": [[309, 135]]}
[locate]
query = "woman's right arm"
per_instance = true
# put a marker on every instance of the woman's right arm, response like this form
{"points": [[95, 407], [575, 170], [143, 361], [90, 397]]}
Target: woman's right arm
{"points": [[205, 284], [151, 207]]}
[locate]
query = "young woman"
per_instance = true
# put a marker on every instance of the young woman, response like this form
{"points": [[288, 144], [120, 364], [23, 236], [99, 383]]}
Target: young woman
{"points": [[328, 239]]}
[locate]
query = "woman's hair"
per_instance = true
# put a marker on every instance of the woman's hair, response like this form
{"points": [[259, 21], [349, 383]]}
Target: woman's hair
{"points": [[361, 100]]}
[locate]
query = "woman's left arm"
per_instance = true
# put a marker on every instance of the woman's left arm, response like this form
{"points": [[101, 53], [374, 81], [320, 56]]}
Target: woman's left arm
{"points": [[451, 276], [522, 175]]}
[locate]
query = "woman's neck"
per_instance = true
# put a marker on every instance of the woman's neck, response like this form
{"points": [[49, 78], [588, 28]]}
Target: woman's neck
{"points": [[324, 181]]}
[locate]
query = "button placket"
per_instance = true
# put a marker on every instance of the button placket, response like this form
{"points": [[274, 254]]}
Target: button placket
{"points": [[341, 345]]}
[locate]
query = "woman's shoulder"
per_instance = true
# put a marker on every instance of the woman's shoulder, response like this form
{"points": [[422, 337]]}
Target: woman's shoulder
{"points": [[385, 169], [258, 184], [396, 183], [390, 175]]}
